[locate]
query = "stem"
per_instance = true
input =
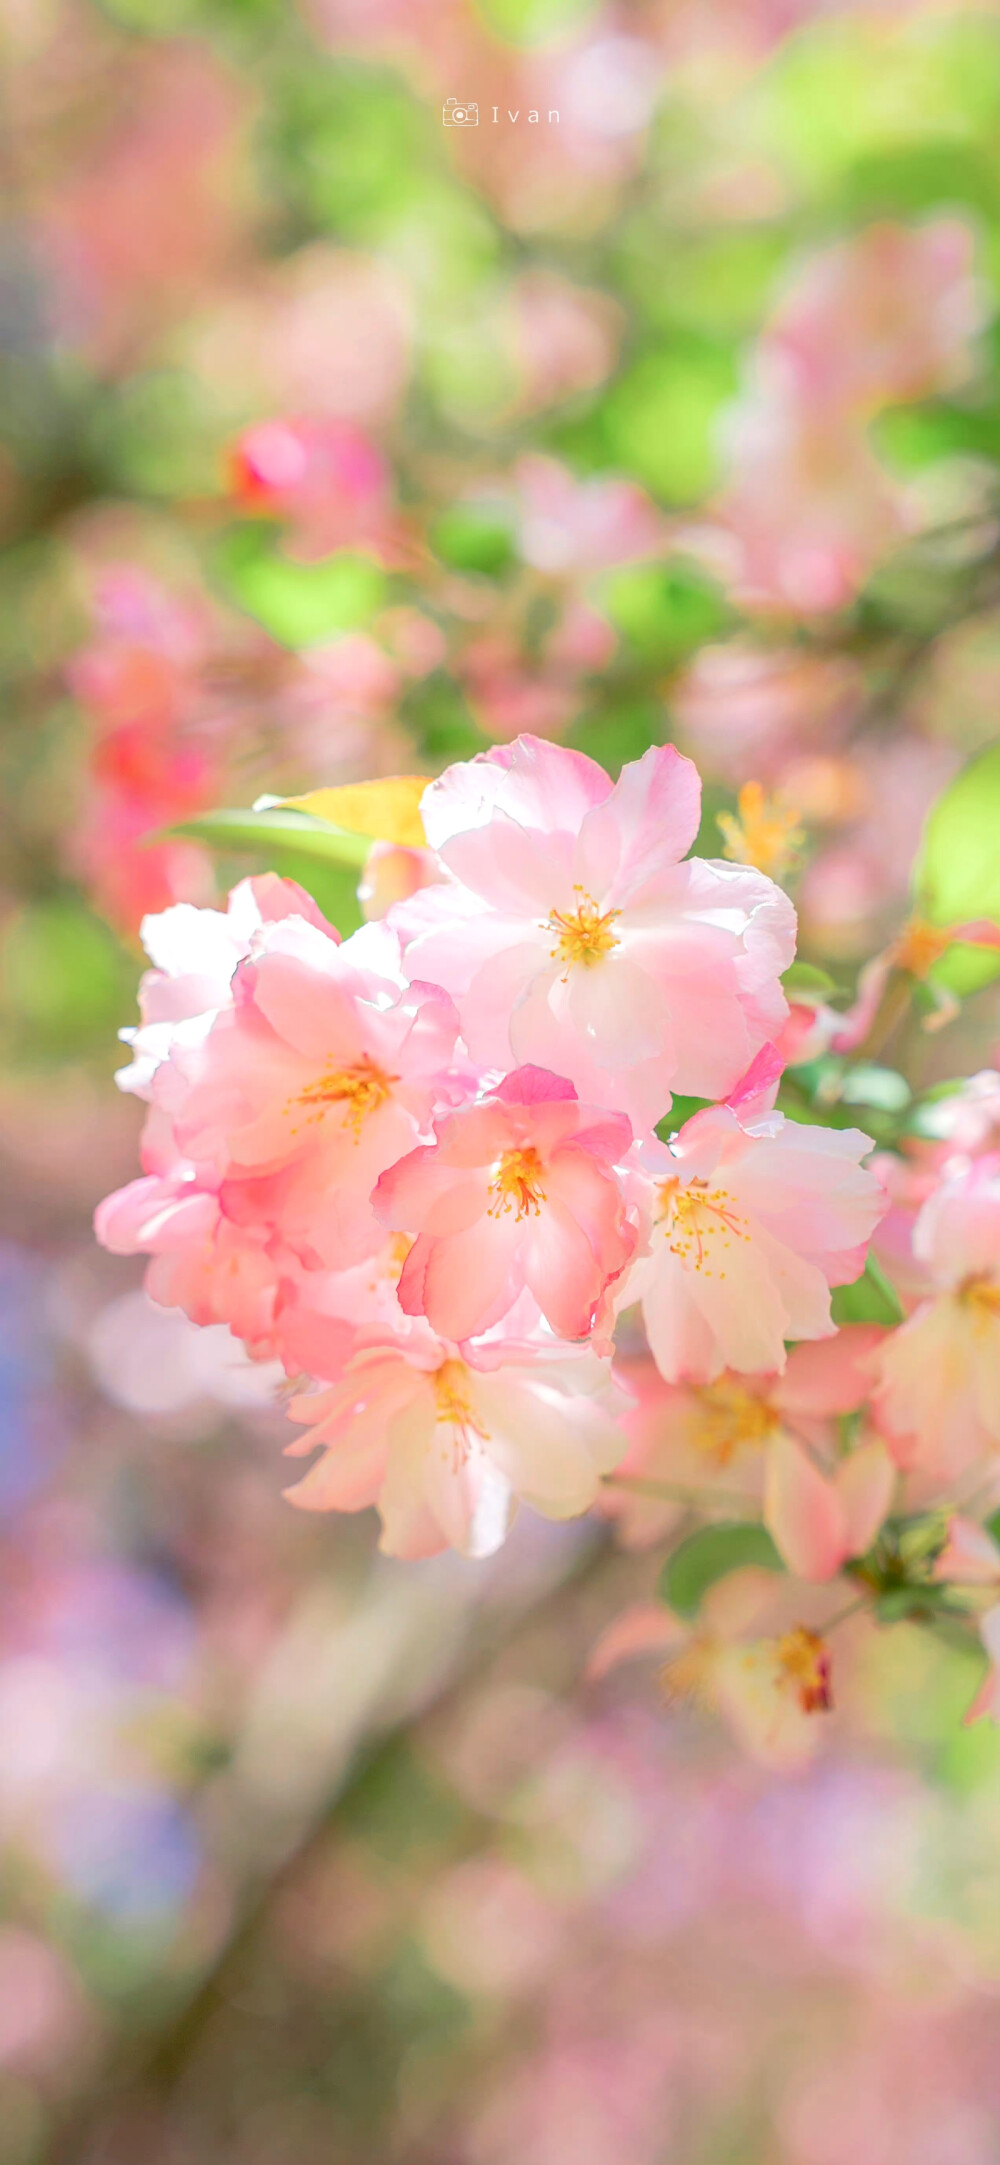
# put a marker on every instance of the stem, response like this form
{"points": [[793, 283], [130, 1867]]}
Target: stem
{"points": [[842, 1614]]}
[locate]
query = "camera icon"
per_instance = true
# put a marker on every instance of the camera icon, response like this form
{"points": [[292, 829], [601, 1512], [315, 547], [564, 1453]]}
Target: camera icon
{"points": [[455, 115]]}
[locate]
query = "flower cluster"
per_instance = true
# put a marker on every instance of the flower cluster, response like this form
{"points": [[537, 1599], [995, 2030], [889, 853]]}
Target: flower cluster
{"points": [[439, 1171], [420, 1165]]}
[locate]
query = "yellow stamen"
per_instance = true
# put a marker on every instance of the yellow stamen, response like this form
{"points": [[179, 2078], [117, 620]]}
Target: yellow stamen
{"points": [[695, 1217], [517, 1184], [804, 1664], [730, 1419], [454, 1410], [919, 947], [982, 1295], [361, 1089], [583, 935], [765, 831], [689, 1676]]}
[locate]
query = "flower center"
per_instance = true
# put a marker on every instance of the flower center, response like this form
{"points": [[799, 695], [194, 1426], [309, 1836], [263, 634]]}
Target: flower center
{"points": [[982, 1295], [582, 935], [700, 1223], [454, 1409], [765, 831], [360, 1089], [690, 1675], [920, 946], [804, 1666], [730, 1419], [517, 1184]]}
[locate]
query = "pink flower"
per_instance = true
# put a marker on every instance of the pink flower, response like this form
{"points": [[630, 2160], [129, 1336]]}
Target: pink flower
{"points": [[809, 510], [749, 1227], [818, 1519], [517, 1191], [747, 710], [698, 1438], [970, 1556], [194, 955], [937, 1393], [886, 316], [570, 526], [578, 941], [749, 1656], [212, 1269], [322, 1073], [445, 1449], [322, 475]]}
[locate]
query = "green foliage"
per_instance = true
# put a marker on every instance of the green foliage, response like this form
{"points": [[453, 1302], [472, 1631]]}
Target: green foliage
{"points": [[664, 611], [474, 536], [622, 729], [807, 979], [268, 831], [661, 418], [709, 1555], [64, 981], [681, 1109], [957, 875], [348, 142], [871, 1299], [299, 604], [881, 1087], [532, 22]]}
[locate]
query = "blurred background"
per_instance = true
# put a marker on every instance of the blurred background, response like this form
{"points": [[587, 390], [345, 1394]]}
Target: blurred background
{"points": [[345, 432]]}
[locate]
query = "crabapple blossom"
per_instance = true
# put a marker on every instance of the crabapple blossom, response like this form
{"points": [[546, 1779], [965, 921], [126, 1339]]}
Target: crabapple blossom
{"points": [[937, 1378], [324, 476], [194, 955], [317, 1078], [749, 1656], [201, 1262], [580, 942], [688, 1440], [749, 1226], [817, 1519], [516, 1191], [446, 1448], [884, 317]]}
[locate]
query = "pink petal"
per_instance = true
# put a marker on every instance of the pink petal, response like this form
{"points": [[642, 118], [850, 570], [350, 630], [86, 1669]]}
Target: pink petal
{"points": [[802, 1512], [649, 821], [865, 1483], [541, 785], [466, 1283], [756, 1089], [562, 1271], [832, 1375], [152, 1214], [648, 1627], [970, 1557]]}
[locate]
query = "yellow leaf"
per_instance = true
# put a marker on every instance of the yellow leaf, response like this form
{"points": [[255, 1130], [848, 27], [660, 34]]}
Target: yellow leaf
{"points": [[388, 810]]}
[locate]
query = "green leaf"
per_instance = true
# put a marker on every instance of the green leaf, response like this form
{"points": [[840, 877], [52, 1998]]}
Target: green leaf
{"points": [[957, 875], [265, 832], [806, 977], [664, 610], [870, 1085], [910, 1601], [710, 1554], [871, 1299], [681, 1109], [474, 536], [661, 418], [299, 604]]}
